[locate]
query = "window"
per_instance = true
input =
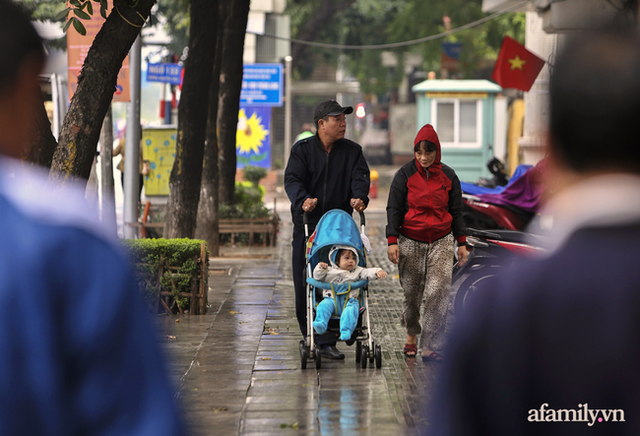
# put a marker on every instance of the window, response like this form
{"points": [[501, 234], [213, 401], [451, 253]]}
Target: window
{"points": [[458, 122]]}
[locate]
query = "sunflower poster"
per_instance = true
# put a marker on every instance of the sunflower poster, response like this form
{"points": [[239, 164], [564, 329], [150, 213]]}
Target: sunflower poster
{"points": [[253, 138]]}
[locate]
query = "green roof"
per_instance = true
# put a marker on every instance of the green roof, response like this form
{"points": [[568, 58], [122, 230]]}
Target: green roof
{"points": [[456, 86]]}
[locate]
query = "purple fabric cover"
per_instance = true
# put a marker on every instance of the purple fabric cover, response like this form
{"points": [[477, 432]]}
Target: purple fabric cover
{"points": [[525, 193]]}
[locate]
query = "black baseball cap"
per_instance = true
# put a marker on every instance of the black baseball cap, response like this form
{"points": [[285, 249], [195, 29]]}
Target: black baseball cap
{"points": [[330, 108]]}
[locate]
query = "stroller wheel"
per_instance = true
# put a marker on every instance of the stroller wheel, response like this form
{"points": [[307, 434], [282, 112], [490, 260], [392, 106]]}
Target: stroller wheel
{"points": [[371, 355], [317, 356], [364, 356], [378, 356], [304, 354], [358, 351]]}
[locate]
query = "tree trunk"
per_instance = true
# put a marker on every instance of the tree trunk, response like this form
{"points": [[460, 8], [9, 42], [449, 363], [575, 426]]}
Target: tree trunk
{"points": [[230, 87], [96, 84], [208, 217], [42, 143], [184, 183]]}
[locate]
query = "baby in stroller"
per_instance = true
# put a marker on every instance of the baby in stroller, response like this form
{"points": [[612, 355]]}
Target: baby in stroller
{"points": [[344, 269]]}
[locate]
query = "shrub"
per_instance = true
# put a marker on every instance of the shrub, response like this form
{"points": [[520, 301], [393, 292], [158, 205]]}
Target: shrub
{"points": [[249, 203], [180, 262], [254, 174]]}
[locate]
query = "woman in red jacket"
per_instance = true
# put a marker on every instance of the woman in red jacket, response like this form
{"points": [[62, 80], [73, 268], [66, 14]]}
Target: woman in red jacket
{"points": [[424, 217]]}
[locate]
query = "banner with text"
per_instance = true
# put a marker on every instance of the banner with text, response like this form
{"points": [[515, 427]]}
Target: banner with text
{"points": [[78, 47]]}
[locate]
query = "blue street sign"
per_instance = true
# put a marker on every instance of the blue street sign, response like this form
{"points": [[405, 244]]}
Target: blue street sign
{"points": [[166, 73], [262, 85]]}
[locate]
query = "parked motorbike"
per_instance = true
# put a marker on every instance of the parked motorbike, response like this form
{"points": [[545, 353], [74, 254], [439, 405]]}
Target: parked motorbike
{"points": [[493, 251], [509, 207], [483, 215], [500, 178]]}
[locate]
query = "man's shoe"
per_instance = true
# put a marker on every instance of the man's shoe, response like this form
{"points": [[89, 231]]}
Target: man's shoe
{"points": [[331, 352]]}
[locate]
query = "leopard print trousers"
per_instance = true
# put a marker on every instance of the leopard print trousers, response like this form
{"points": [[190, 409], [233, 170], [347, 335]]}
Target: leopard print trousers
{"points": [[422, 263]]}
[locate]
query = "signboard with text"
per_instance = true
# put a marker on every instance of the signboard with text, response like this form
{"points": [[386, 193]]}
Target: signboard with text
{"points": [[77, 49], [262, 85], [165, 73]]}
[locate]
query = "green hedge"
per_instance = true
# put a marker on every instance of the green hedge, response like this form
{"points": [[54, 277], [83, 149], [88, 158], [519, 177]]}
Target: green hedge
{"points": [[179, 260], [249, 202]]}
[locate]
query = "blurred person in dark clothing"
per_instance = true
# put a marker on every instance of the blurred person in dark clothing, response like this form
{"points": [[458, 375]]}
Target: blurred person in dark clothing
{"points": [[553, 346], [79, 355]]}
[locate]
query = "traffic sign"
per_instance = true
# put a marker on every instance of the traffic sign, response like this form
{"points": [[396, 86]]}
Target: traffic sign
{"points": [[262, 85], [164, 72]]}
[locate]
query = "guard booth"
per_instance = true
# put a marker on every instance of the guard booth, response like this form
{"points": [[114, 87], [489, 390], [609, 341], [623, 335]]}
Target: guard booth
{"points": [[470, 122]]}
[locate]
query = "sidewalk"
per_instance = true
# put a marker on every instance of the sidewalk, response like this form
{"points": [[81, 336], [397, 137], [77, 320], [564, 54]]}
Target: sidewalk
{"points": [[238, 371]]}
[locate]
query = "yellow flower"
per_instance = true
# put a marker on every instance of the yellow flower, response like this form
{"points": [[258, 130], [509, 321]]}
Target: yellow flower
{"points": [[250, 133]]}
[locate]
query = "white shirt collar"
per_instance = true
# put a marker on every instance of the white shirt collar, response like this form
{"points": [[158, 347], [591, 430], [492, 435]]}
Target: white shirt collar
{"points": [[605, 200]]}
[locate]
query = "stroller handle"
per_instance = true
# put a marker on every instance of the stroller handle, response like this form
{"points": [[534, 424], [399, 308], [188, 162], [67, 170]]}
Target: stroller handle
{"points": [[305, 222], [362, 220], [325, 285]]}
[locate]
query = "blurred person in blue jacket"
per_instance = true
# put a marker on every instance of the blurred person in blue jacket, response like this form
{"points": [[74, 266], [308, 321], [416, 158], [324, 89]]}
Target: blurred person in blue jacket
{"points": [[552, 346], [79, 355]]}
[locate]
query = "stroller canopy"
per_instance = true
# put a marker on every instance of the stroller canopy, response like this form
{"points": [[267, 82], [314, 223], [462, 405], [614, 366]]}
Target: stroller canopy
{"points": [[336, 227]]}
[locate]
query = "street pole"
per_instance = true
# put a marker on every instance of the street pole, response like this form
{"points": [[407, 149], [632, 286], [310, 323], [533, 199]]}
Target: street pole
{"points": [[132, 145], [107, 202], [287, 110]]}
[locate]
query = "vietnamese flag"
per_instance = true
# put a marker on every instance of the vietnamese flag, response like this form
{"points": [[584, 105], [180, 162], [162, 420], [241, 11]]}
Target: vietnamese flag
{"points": [[516, 66]]}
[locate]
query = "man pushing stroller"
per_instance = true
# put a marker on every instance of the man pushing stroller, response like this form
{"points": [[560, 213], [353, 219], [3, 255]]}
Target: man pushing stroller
{"points": [[344, 269]]}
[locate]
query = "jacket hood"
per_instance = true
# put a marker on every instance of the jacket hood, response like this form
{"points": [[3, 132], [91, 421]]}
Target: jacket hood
{"points": [[428, 133], [334, 253]]}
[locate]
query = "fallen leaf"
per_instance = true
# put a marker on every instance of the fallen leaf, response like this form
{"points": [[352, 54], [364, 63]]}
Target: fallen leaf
{"points": [[266, 358], [294, 425]]}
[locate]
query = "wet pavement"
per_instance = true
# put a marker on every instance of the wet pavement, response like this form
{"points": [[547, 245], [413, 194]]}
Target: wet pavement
{"points": [[237, 368]]}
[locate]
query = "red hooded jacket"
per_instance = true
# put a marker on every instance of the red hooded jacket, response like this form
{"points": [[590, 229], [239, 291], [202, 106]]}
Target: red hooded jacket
{"points": [[425, 204]]}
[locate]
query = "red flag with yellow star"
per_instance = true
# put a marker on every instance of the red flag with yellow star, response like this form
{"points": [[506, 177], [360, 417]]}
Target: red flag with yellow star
{"points": [[516, 66]]}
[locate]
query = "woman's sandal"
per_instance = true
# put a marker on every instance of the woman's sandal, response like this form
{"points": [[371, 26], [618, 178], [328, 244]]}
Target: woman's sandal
{"points": [[432, 357], [410, 350]]}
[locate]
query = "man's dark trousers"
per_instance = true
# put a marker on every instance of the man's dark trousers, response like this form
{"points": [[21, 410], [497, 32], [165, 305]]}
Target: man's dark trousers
{"points": [[299, 282]]}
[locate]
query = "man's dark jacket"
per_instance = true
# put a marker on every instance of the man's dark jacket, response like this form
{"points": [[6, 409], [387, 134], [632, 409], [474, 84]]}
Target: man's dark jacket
{"points": [[333, 178]]}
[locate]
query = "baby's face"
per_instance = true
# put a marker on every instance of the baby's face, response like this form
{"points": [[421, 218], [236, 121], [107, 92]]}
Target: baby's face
{"points": [[347, 260]]}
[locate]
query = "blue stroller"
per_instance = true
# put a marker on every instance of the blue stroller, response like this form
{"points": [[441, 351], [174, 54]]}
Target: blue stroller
{"points": [[336, 227]]}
